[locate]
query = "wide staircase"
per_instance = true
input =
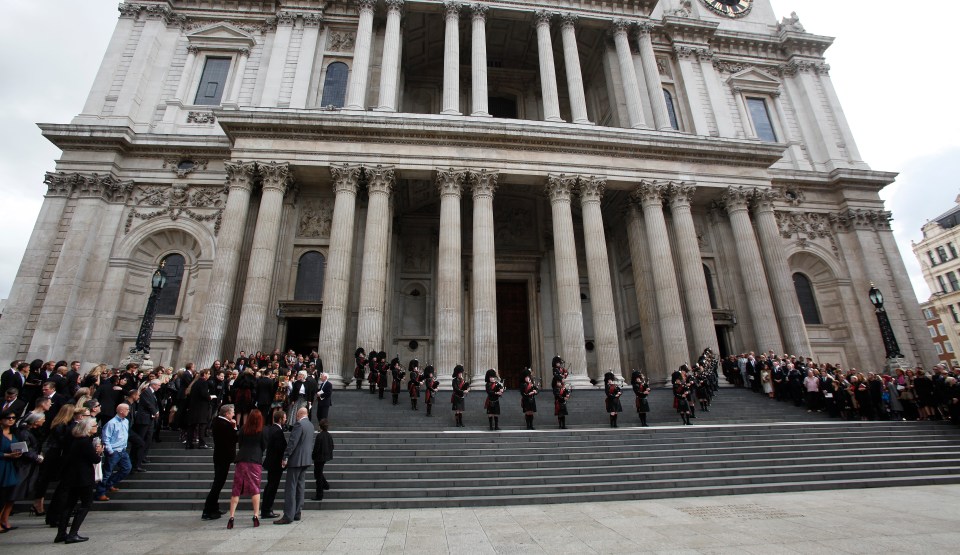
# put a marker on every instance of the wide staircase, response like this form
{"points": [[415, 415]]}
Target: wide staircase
{"points": [[393, 457]]}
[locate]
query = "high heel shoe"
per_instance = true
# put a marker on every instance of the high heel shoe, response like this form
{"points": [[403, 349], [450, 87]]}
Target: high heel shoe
{"points": [[256, 522], [230, 524], [35, 512]]}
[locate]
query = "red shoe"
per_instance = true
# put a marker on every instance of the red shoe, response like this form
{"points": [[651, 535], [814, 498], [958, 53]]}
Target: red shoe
{"points": [[256, 522], [230, 524]]}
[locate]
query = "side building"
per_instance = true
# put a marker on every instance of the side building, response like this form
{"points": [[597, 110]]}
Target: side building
{"points": [[937, 253], [620, 183]]}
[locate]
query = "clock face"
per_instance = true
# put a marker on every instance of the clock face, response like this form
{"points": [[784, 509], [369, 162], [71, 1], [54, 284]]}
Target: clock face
{"points": [[730, 8]]}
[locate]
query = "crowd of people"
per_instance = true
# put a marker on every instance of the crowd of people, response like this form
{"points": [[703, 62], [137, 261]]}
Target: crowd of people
{"points": [[849, 394]]}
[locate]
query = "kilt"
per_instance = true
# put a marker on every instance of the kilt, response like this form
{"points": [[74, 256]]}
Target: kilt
{"points": [[643, 405], [493, 407], [613, 404], [528, 404], [457, 402]]}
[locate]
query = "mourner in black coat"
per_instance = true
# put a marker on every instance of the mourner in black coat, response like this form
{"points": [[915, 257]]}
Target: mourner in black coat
{"points": [[322, 453], [198, 406], [78, 478], [224, 433], [273, 461]]}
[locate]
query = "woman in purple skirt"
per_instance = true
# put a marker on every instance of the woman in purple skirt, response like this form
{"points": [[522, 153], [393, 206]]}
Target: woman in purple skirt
{"points": [[246, 475]]}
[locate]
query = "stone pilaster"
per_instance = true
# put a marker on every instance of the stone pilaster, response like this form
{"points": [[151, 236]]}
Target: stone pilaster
{"points": [[548, 71], [628, 74], [479, 61], [765, 326], [571, 58], [699, 312], [598, 273], [275, 177], [559, 188], [216, 313], [451, 59], [795, 337], [449, 322], [357, 86], [654, 366], [336, 281], [672, 331], [484, 282], [373, 271], [390, 64], [651, 75]]}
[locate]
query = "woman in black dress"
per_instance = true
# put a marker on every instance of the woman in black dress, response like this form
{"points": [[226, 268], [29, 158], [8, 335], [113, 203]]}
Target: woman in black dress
{"points": [[457, 398], [85, 451], [494, 388], [528, 397], [642, 390], [612, 401]]}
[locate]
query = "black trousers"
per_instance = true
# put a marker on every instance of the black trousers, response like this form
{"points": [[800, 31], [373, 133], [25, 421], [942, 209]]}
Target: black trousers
{"points": [[140, 438], [270, 492], [323, 411], [318, 477], [220, 471]]}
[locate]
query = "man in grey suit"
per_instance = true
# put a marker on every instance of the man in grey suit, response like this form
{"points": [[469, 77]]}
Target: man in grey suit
{"points": [[296, 459]]}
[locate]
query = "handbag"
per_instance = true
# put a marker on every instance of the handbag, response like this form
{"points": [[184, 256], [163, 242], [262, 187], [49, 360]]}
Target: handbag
{"points": [[98, 472]]}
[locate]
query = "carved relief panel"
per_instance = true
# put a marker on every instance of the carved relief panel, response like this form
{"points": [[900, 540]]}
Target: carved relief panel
{"points": [[315, 218]]}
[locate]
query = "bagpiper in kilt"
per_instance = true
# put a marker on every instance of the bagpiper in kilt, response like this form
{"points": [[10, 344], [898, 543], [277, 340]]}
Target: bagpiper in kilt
{"points": [[528, 397], [431, 385], [397, 373], [642, 390], [561, 394], [460, 388], [360, 359], [494, 388], [416, 381], [383, 372], [612, 401], [374, 375]]}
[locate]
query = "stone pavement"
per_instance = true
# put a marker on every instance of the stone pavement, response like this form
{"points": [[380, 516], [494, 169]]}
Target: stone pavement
{"points": [[882, 520]]}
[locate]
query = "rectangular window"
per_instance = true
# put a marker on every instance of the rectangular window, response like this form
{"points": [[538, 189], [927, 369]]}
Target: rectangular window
{"points": [[939, 348], [943, 284], [948, 346], [952, 278], [956, 316], [933, 261], [942, 254], [762, 123], [953, 250], [213, 81], [941, 329], [933, 331], [927, 314]]}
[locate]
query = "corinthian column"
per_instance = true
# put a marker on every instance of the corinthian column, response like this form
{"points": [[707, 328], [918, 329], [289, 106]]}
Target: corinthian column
{"points": [[699, 312], [631, 87], [449, 349], [672, 331], [390, 65], [223, 282], [781, 282], [643, 287], [357, 85], [651, 73], [478, 61], [451, 59], [598, 273], [571, 58], [373, 271], [766, 329], [572, 349], [548, 71], [256, 294], [336, 281], [484, 287]]}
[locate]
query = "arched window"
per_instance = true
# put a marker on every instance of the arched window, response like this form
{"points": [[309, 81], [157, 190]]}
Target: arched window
{"points": [[671, 110], [808, 302], [335, 85], [170, 294], [310, 277], [710, 292]]}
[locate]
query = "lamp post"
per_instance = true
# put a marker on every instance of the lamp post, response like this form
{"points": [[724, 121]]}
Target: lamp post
{"points": [[140, 353], [894, 356]]}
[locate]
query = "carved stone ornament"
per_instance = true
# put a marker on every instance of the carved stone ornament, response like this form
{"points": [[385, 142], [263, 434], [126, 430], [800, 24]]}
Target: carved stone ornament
{"points": [[286, 18], [340, 41], [681, 193], [737, 198], [240, 174], [620, 26], [512, 224], [858, 218], [479, 11], [450, 181], [316, 216], [201, 117], [791, 23], [683, 10], [106, 187], [199, 203], [650, 193], [380, 179], [592, 189], [366, 5], [559, 187], [764, 199], [568, 19], [806, 227], [257, 27], [451, 9], [542, 17], [312, 19], [484, 183], [394, 5], [416, 255], [184, 165], [275, 175], [791, 195], [345, 179]]}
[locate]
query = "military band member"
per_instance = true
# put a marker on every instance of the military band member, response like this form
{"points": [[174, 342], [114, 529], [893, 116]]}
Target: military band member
{"points": [[360, 359], [383, 372], [457, 398], [431, 385], [416, 380], [561, 394], [397, 373], [494, 388], [681, 393], [373, 375], [528, 397], [642, 390], [612, 401]]}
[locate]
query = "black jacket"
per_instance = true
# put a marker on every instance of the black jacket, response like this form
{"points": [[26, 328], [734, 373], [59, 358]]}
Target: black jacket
{"points": [[265, 390], [78, 467], [276, 445], [224, 441], [323, 448]]}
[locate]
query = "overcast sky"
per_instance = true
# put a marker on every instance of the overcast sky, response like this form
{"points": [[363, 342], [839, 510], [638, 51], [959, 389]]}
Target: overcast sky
{"points": [[894, 72]]}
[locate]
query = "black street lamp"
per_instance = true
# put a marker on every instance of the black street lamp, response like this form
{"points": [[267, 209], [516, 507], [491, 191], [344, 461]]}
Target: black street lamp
{"points": [[157, 282], [886, 332]]}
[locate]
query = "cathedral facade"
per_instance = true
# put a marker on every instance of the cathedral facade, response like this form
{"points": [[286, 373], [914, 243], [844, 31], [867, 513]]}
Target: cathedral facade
{"points": [[492, 183]]}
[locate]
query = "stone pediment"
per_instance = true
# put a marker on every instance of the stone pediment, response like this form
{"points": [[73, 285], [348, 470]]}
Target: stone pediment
{"points": [[753, 79], [221, 35]]}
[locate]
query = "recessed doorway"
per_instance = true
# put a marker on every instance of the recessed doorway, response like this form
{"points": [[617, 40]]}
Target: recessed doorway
{"points": [[513, 331]]}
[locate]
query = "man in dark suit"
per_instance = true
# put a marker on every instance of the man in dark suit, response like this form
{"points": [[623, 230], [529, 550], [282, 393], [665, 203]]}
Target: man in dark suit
{"points": [[148, 411], [224, 433], [273, 462], [49, 391], [73, 378], [266, 388], [12, 377], [312, 387], [11, 402], [60, 381], [324, 397], [297, 459]]}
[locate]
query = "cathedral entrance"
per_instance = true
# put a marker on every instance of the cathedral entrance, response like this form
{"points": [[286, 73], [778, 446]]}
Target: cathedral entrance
{"points": [[303, 334], [513, 331]]}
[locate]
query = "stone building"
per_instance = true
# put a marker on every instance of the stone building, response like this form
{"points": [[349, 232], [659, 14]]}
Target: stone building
{"points": [[937, 254], [623, 183], [946, 354]]}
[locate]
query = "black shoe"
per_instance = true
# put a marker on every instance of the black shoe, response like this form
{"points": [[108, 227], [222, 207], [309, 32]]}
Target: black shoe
{"points": [[209, 516], [204, 446], [326, 486], [271, 514], [140, 469], [297, 517], [60, 538], [82, 538], [73, 538]]}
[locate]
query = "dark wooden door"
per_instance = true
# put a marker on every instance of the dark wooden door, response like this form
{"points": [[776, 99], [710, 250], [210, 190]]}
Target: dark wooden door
{"points": [[513, 331]]}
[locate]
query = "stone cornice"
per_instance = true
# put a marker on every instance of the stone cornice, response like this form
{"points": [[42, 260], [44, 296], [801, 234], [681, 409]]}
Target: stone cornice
{"points": [[847, 178], [691, 31], [127, 141], [101, 186]]}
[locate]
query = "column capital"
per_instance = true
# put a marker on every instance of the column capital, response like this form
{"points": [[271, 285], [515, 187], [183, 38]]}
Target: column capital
{"points": [[479, 11], [452, 9], [681, 193], [484, 183], [649, 193], [542, 17], [559, 187], [366, 5], [379, 179], [592, 189], [737, 198], [275, 175], [644, 28], [568, 19], [450, 181], [763, 200], [620, 25], [394, 5], [345, 178], [240, 174]]}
